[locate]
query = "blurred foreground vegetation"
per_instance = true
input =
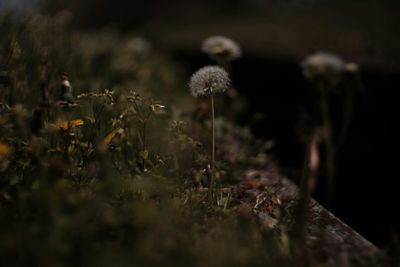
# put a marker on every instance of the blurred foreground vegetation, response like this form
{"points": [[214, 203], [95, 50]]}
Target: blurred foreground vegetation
{"points": [[103, 164]]}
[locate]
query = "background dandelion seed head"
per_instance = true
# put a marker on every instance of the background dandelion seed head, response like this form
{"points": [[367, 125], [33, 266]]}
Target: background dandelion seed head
{"points": [[322, 65], [221, 47]]}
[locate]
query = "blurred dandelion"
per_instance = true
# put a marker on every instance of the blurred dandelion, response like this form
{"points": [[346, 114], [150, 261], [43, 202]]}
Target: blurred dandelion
{"points": [[351, 67], [326, 71], [323, 67], [206, 82], [221, 48]]}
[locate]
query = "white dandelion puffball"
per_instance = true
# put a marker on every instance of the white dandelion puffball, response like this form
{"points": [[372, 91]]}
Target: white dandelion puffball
{"points": [[323, 66], [209, 80], [221, 47]]}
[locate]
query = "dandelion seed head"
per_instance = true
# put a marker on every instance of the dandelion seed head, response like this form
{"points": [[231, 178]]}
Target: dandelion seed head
{"points": [[220, 47], [323, 66], [352, 67], [209, 80]]}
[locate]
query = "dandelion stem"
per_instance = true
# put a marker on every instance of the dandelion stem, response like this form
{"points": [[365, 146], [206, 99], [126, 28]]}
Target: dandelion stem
{"points": [[213, 140], [329, 145], [308, 181]]}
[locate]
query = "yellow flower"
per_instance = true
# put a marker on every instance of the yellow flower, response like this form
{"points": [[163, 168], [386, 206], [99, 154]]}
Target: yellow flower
{"points": [[65, 125], [114, 134], [5, 150], [70, 150]]}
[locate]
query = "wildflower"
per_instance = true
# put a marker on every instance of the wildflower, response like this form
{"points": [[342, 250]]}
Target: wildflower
{"points": [[65, 125], [209, 80], [221, 48], [323, 67], [5, 150], [157, 108], [120, 132], [70, 149], [134, 97]]}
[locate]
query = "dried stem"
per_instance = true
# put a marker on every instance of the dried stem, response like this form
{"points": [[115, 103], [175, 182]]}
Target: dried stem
{"points": [[144, 146], [143, 118]]}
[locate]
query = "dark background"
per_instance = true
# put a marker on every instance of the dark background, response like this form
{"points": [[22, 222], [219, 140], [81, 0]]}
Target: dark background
{"points": [[275, 35]]}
